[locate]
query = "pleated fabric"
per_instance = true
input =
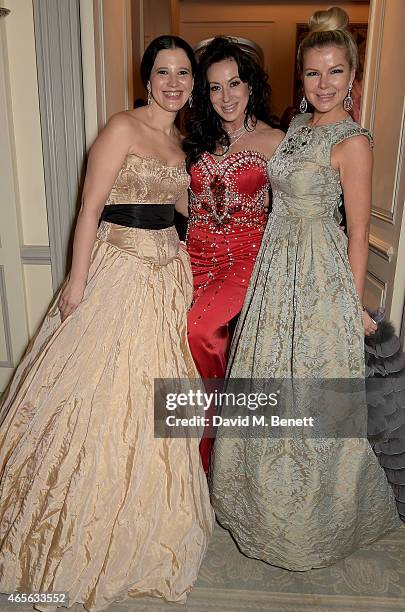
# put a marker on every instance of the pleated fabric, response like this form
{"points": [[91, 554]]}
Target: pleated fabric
{"points": [[91, 502], [302, 502]]}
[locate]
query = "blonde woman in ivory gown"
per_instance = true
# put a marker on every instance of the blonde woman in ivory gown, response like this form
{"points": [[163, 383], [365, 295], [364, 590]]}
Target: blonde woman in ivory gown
{"points": [[306, 503], [91, 503]]}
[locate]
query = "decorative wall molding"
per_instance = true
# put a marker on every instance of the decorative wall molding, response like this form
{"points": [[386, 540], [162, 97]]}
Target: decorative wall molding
{"points": [[58, 49], [9, 362], [372, 68], [113, 57], [175, 17], [381, 213], [88, 60], [250, 22], [34, 254], [100, 63], [377, 289], [381, 248], [400, 167], [138, 43]]}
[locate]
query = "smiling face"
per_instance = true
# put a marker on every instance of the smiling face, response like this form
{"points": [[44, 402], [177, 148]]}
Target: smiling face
{"points": [[326, 77], [228, 94], [171, 79]]}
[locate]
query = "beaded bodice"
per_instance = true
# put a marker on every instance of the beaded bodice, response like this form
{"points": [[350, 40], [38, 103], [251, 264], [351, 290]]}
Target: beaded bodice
{"points": [[304, 183], [148, 180], [227, 194]]}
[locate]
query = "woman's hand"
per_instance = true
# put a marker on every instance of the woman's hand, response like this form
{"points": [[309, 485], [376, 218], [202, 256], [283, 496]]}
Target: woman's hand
{"points": [[70, 298], [370, 326]]}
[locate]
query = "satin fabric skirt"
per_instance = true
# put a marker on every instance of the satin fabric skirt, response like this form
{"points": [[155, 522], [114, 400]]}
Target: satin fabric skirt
{"points": [[304, 501], [91, 503], [222, 265]]}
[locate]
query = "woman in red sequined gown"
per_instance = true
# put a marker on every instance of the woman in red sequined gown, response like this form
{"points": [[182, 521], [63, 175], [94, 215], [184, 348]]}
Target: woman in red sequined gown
{"points": [[228, 146]]}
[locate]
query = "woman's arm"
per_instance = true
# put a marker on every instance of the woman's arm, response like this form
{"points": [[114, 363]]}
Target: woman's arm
{"points": [[182, 204], [105, 160], [353, 158]]}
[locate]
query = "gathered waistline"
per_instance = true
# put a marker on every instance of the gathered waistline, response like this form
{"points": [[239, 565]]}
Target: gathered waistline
{"points": [[290, 217], [150, 247]]}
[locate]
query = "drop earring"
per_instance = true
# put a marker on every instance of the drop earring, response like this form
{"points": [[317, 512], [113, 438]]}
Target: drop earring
{"points": [[149, 90], [303, 105], [190, 100], [348, 101]]}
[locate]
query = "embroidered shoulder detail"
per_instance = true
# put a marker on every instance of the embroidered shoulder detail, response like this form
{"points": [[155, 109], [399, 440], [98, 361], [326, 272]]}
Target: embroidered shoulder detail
{"points": [[348, 130], [299, 120]]}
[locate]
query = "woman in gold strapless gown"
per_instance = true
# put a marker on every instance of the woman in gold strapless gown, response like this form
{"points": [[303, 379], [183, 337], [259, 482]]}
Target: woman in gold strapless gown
{"points": [[91, 503]]}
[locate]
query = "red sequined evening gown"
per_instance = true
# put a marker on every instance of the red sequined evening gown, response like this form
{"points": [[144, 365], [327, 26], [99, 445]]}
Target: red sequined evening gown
{"points": [[226, 224]]}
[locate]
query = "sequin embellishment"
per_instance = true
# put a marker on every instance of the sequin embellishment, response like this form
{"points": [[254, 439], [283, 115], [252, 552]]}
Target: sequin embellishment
{"points": [[298, 140]]}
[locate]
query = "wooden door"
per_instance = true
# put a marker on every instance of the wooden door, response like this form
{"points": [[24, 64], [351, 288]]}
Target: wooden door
{"points": [[113, 49], [384, 114]]}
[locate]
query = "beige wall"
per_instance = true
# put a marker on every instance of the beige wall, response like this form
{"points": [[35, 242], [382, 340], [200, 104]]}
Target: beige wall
{"points": [[27, 131], [26, 288], [89, 71], [272, 25], [38, 292]]}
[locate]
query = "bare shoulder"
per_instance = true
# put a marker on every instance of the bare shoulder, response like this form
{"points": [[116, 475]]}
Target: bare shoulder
{"points": [[118, 127], [127, 127], [359, 143], [269, 132], [267, 138], [120, 121], [110, 147], [353, 150], [352, 154]]}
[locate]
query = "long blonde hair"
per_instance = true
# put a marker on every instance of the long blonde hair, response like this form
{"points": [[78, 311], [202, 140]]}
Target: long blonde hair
{"points": [[329, 27]]}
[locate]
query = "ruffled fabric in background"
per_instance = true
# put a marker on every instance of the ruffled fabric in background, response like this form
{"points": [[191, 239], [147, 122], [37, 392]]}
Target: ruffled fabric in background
{"points": [[385, 387]]}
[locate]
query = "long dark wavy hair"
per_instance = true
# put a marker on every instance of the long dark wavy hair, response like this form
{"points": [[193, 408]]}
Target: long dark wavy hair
{"points": [[203, 126]]}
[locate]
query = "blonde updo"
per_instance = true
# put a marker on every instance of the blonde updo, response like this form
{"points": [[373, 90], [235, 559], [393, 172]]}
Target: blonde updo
{"points": [[326, 28]]}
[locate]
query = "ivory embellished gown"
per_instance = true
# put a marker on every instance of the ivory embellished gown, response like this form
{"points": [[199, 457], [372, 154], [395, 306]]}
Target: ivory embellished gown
{"points": [[301, 503], [90, 501]]}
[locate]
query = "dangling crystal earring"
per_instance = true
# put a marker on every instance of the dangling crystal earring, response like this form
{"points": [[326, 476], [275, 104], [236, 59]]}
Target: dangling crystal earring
{"points": [[190, 100], [348, 101], [148, 89], [303, 105]]}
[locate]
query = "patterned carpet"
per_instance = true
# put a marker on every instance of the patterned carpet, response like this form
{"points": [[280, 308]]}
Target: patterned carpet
{"points": [[371, 579]]}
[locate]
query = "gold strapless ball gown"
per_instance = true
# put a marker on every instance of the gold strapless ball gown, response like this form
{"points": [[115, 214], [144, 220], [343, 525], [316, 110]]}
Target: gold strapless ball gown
{"points": [[91, 502]]}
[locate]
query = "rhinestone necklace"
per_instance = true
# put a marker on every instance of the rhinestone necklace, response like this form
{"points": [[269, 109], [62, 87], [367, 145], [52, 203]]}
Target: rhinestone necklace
{"points": [[234, 137], [237, 133]]}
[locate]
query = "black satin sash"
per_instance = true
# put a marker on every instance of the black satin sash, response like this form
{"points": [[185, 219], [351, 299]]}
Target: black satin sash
{"points": [[143, 216]]}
